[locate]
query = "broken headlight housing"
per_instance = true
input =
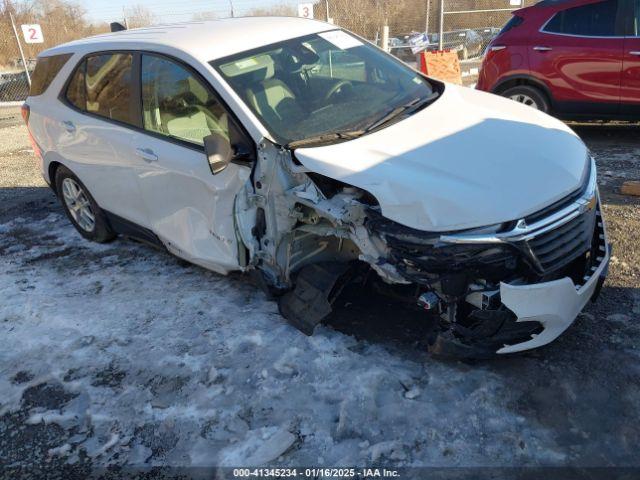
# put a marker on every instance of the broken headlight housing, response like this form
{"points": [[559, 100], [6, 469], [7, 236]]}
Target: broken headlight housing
{"points": [[424, 258]]}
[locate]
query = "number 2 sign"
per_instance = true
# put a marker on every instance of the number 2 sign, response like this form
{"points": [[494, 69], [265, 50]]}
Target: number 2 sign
{"points": [[32, 33], [305, 10]]}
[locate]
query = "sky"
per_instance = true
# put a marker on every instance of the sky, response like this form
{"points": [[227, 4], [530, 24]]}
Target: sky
{"points": [[173, 10]]}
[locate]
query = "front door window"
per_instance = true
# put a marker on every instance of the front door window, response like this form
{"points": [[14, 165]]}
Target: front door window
{"points": [[177, 104]]}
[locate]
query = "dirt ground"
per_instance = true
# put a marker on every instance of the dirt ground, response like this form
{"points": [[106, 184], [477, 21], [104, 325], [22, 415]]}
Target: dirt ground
{"points": [[579, 397]]}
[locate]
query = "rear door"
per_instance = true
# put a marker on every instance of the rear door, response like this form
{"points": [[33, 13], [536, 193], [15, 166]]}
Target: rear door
{"points": [[94, 131], [578, 52], [631, 65], [190, 209]]}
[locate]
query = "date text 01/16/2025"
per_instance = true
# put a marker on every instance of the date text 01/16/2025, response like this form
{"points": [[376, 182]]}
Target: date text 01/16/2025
{"points": [[315, 473]]}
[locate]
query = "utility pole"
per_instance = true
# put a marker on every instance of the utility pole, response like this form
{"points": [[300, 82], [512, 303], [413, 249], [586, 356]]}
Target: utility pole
{"points": [[124, 18], [326, 4], [231, 5], [428, 15], [441, 27], [15, 32]]}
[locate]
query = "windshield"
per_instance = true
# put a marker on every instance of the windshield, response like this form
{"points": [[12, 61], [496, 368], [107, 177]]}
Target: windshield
{"points": [[323, 84]]}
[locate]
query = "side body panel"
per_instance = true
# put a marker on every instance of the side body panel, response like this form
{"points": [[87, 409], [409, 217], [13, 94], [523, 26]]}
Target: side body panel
{"points": [[99, 152], [507, 55], [189, 208], [579, 70], [630, 94]]}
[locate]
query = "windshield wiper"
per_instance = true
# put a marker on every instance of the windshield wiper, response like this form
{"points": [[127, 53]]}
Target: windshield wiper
{"points": [[329, 137], [405, 109], [326, 137]]}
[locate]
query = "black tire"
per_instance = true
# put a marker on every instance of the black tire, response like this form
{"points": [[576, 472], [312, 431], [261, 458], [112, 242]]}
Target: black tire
{"points": [[101, 231], [539, 99]]}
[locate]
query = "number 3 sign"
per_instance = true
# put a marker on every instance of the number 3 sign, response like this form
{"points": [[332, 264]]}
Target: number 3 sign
{"points": [[305, 10], [32, 33]]}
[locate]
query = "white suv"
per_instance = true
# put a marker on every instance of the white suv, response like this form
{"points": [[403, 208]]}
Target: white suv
{"points": [[297, 151]]}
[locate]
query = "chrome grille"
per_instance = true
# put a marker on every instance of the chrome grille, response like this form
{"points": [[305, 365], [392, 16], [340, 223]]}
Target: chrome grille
{"points": [[556, 248]]}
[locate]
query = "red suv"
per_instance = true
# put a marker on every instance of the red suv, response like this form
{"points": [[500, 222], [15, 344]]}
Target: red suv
{"points": [[572, 58]]}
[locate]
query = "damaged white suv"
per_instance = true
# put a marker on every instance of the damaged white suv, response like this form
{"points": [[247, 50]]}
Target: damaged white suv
{"points": [[302, 153]]}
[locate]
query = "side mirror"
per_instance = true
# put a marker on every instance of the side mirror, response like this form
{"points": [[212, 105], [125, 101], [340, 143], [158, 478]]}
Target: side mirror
{"points": [[218, 151]]}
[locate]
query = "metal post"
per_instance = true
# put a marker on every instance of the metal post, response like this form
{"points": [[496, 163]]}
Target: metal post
{"points": [[24, 61], [426, 22], [231, 5], [441, 32], [326, 6], [385, 38]]}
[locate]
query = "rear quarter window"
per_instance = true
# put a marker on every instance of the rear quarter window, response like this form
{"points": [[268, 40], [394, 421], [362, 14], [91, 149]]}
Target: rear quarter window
{"points": [[46, 70], [514, 22]]}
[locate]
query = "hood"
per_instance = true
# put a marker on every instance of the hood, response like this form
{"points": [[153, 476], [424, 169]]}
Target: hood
{"points": [[471, 159]]}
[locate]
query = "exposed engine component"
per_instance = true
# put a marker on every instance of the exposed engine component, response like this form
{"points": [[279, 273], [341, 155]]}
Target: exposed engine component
{"points": [[429, 301], [310, 301], [304, 231]]}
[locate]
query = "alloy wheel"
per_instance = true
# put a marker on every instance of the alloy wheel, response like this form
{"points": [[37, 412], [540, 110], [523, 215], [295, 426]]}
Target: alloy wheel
{"points": [[78, 204], [524, 99]]}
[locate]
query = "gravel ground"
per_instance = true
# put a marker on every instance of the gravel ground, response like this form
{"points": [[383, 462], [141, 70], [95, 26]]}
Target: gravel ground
{"points": [[120, 355]]}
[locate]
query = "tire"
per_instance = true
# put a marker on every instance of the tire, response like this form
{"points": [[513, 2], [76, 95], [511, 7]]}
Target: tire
{"points": [[89, 220], [528, 95]]}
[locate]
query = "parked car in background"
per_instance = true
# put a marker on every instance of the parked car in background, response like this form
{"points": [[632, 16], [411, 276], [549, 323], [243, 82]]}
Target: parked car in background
{"points": [[467, 43], [291, 149], [13, 86], [487, 34], [576, 59], [402, 49]]}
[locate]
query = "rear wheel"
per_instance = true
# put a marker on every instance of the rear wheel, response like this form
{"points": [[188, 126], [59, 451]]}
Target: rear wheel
{"points": [[81, 208], [528, 95]]}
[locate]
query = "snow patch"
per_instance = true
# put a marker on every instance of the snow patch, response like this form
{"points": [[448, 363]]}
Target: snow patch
{"points": [[258, 447]]}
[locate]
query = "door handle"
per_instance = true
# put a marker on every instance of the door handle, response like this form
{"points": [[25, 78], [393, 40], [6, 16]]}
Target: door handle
{"points": [[497, 48], [146, 154], [637, 54], [542, 49], [69, 126]]}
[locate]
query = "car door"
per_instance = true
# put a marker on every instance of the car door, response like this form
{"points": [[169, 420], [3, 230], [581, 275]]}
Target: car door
{"points": [[630, 96], [190, 209], [94, 129], [578, 52]]}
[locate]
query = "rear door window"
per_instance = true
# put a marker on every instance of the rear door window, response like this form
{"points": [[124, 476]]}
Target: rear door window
{"points": [[46, 70], [103, 85], [109, 86], [593, 20]]}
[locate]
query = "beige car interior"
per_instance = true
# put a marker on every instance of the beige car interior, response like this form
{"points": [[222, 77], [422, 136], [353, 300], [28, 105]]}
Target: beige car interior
{"points": [[182, 108]]}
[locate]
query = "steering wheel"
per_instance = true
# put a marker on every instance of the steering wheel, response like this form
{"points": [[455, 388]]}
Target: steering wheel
{"points": [[338, 88]]}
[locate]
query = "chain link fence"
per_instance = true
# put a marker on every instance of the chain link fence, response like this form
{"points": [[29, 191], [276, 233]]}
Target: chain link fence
{"points": [[414, 26], [61, 21], [407, 27]]}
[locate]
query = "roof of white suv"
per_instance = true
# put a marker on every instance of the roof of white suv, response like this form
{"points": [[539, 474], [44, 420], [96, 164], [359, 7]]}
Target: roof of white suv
{"points": [[205, 40]]}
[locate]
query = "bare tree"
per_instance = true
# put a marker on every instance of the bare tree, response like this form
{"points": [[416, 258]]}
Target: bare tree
{"points": [[275, 10], [204, 16], [139, 16], [61, 21]]}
